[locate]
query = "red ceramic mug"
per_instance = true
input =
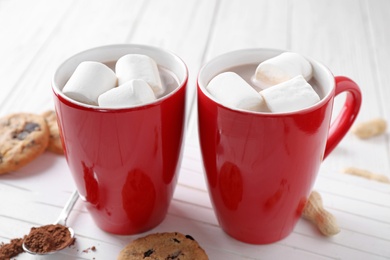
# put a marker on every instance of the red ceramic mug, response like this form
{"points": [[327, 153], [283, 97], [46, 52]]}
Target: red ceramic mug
{"points": [[261, 167], [124, 161]]}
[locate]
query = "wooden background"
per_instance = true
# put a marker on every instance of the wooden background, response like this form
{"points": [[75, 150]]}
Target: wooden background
{"points": [[350, 36]]}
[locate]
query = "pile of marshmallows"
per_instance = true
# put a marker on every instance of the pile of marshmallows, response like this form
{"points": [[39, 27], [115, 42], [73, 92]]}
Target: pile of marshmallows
{"points": [[284, 82], [136, 80]]}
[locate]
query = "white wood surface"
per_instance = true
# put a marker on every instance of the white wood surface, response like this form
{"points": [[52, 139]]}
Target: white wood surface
{"points": [[351, 37]]}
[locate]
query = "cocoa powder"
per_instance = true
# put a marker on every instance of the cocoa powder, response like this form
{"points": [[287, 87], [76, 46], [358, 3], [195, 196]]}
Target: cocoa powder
{"points": [[12, 249], [48, 238], [43, 239]]}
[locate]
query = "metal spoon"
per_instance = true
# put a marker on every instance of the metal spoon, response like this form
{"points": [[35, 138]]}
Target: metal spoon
{"points": [[62, 221]]}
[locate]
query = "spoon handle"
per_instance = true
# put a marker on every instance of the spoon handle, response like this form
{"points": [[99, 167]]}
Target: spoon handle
{"points": [[67, 209]]}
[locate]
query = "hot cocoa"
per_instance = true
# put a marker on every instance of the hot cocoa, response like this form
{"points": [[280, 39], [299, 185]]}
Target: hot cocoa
{"points": [[283, 83], [247, 71], [132, 80]]}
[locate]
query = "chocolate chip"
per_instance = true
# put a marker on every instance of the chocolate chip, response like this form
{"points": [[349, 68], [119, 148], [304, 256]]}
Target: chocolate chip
{"points": [[148, 253], [21, 135], [28, 128], [1, 158], [190, 237], [31, 127], [176, 240]]}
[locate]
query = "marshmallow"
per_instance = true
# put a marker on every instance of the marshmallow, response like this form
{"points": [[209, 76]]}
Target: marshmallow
{"points": [[88, 81], [290, 95], [131, 93], [282, 68], [233, 91], [138, 66]]}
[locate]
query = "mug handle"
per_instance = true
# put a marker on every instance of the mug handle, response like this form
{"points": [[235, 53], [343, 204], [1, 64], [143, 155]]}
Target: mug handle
{"points": [[348, 113]]}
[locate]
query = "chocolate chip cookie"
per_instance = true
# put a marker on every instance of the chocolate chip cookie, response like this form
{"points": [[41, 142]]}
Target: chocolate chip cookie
{"points": [[55, 144], [164, 246], [23, 137]]}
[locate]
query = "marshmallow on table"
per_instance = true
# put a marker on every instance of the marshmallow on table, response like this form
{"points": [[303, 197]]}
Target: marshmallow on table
{"points": [[131, 93], [290, 95], [88, 81], [233, 91], [138, 66], [282, 68]]}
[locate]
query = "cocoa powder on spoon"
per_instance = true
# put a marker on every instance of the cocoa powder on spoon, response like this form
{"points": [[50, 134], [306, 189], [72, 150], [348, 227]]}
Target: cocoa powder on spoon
{"points": [[12, 249], [48, 238], [41, 240]]}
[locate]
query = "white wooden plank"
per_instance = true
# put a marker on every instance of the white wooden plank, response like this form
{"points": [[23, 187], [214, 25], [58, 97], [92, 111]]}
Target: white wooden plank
{"points": [[249, 24], [353, 191], [346, 47], [379, 36], [25, 27], [181, 27], [87, 24], [362, 211], [349, 180], [34, 177], [379, 53], [351, 37], [234, 27]]}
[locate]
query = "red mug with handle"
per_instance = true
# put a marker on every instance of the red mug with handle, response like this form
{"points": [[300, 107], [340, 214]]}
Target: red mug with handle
{"points": [[124, 161], [261, 167]]}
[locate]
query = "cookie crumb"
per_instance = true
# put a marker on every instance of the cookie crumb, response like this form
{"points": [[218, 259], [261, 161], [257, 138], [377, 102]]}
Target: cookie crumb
{"points": [[92, 248]]}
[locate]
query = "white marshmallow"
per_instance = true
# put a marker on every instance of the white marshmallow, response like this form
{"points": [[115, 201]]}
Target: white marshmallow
{"points": [[290, 95], [282, 68], [233, 91], [88, 81], [138, 66], [131, 93]]}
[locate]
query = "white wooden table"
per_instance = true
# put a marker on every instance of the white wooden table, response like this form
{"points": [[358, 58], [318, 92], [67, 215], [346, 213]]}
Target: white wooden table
{"points": [[351, 37]]}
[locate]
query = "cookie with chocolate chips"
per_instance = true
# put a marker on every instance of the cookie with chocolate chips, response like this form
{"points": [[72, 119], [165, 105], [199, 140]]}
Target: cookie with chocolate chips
{"points": [[23, 137], [164, 246], [55, 144]]}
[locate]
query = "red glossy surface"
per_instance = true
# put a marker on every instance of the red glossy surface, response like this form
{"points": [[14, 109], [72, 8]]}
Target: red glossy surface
{"points": [[347, 114], [261, 167], [124, 162]]}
